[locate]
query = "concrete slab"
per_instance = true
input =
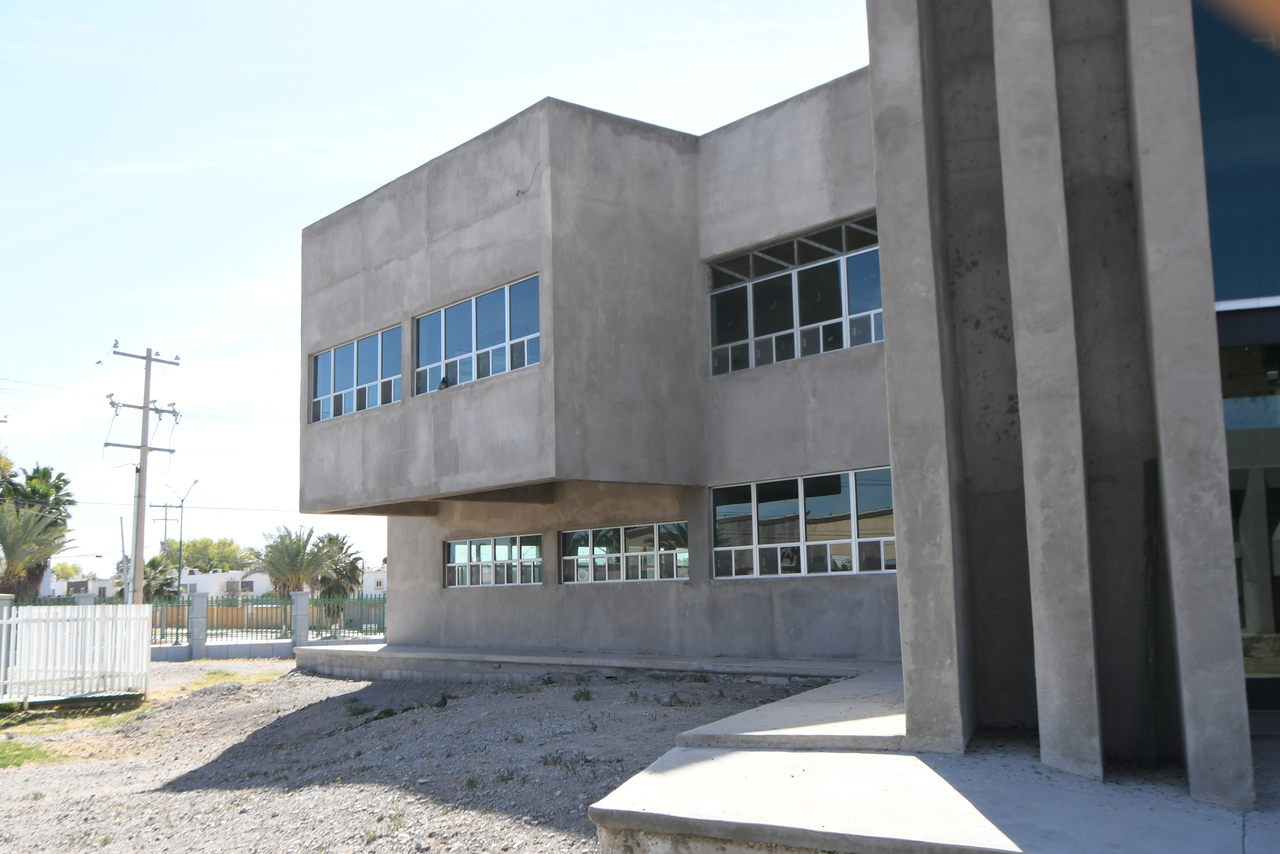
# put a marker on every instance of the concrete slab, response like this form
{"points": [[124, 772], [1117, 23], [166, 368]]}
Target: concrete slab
{"points": [[999, 797], [864, 712]]}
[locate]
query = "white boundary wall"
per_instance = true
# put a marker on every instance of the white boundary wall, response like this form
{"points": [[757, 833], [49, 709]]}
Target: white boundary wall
{"points": [[66, 651]]}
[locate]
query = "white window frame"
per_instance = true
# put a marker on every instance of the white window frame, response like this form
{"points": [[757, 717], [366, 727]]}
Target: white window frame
{"points": [[323, 406], [594, 568], [478, 571], [887, 545]]}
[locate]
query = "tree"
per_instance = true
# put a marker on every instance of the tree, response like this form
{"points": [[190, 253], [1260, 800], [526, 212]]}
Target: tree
{"points": [[157, 583], [46, 494], [205, 555], [289, 560], [342, 573], [28, 539], [67, 571]]}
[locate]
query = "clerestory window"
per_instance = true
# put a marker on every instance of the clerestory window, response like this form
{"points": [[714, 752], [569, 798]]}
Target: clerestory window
{"points": [[801, 297], [481, 337]]}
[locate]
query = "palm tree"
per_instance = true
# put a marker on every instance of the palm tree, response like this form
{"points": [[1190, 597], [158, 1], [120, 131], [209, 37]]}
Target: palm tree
{"points": [[28, 539], [45, 493], [157, 583], [289, 560], [343, 573]]}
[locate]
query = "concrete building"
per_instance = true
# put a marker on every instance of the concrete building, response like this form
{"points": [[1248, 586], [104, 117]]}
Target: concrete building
{"points": [[619, 388]]}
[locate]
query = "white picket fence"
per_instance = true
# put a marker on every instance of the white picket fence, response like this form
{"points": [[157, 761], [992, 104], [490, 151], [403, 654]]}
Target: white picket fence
{"points": [[58, 652]]}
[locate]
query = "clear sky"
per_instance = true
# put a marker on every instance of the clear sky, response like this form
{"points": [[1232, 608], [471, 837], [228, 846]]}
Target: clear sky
{"points": [[158, 162]]}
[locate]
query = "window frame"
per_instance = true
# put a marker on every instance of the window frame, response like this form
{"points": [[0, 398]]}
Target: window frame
{"points": [[466, 367], [887, 545], [750, 351], [584, 569], [356, 398], [471, 573]]}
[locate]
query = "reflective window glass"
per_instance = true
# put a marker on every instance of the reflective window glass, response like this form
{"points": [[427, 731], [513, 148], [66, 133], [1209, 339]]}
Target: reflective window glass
{"points": [[860, 330], [875, 503], [391, 353], [430, 342], [673, 536], [457, 330], [827, 508], [531, 547], [606, 541], [778, 512], [491, 319], [504, 548], [367, 360], [639, 538], [524, 308], [344, 367], [574, 543], [728, 316], [323, 375], [819, 289], [732, 515], [771, 305], [863, 272], [532, 350]]}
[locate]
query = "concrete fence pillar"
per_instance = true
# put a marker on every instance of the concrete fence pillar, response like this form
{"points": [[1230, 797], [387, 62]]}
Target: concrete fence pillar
{"points": [[85, 598], [6, 638], [301, 617], [198, 624]]}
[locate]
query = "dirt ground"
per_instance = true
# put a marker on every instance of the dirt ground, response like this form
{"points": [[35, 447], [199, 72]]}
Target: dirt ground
{"points": [[256, 756]]}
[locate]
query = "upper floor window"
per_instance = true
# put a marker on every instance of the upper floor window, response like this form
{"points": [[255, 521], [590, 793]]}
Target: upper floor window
{"points": [[481, 337], [630, 553], [805, 526], [812, 294], [359, 375]]}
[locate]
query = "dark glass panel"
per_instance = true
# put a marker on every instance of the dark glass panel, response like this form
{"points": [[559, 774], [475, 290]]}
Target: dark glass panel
{"points": [[566, 570], [723, 566], [648, 568], [789, 558], [869, 556], [386, 392], [491, 319], [482, 365], [338, 400], [532, 350], [739, 357], [841, 557], [500, 573], [667, 566], [819, 289], [860, 330], [831, 238], [673, 536], [771, 305], [524, 308], [451, 373], [784, 348], [778, 512], [322, 374], [832, 337], [344, 367], [606, 541], [728, 317], [808, 252], [613, 568], [869, 223], [517, 355], [762, 265], [741, 265], [810, 341], [639, 538], [723, 279], [875, 503], [827, 508], [315, 411], [430, 343], [744, 562], [784, 252], [764, 351], [720, 361], [457, 330], [574, 543], [326, 408], [633, 567], [856, 238], [863, 272], [817, 556], [498, 360], [890, 554], [597, 569], [769, 561], [531, 547], [584, 569], [732, 515], [360, 400], [877, 326], [422, 383]]}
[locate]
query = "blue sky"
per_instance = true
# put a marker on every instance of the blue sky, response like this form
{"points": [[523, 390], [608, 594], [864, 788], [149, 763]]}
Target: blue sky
{"points": [[159, 161]]}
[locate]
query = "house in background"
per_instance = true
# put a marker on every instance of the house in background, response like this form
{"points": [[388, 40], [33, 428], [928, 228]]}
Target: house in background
{"points": [[374, 581], [231, 583]]}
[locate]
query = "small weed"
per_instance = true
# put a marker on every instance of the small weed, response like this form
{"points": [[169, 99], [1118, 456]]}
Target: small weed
{"points": [[635, 696], [355, 708], [471, 783], [448, 754], [397, 820], [105, 841], [34, 796], [524, 778], [382, 715], [518, 738], [506, 775], [370, 835], [582, 695], [701, 677], [591, 723], [14, 753], [547, 680], [213, 677]]}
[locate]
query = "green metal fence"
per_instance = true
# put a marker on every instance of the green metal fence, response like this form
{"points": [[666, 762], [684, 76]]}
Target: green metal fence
{"points": [[45, 600], [170, 620], [249, 618], [357, 616]]}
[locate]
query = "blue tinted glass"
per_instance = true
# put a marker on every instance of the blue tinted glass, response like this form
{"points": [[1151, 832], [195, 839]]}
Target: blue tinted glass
{"points": [[875, 491], [524, 308], [778, 512], [457, 330], [732, 515], [1240, 119], [344, 367], [491, 319], [391, 353], [864, 281], [878, 326], [499, 360], [367, 360], [322, 373], [429, 342], [531, 348], [827, 508]]}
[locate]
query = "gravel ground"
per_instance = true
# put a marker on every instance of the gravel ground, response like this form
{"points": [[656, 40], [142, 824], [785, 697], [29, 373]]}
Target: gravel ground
{"points": [[310, 763]]}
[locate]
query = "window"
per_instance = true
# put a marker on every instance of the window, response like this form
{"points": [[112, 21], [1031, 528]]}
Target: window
{"points": [[246, 586], [359, 375], [626, 553], [801, 297], [493, 561], [482, 337], [805, 526]]}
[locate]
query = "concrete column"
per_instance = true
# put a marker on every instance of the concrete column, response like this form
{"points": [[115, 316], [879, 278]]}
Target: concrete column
{"points": [[84, 598], [301, 617], [198, 624], [6, 637], [1255, 556], [924, 436], [1044, 337], [1173, 235]]}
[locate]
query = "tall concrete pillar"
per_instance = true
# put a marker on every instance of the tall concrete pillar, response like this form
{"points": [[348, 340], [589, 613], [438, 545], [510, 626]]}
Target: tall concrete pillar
{"points": [[301, 617], [1044, 337], [198, 624], [928, 473], [1255, 554], [1173, 235]]}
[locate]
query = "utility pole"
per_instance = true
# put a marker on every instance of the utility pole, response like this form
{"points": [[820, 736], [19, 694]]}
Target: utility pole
{"points": [[182, 515], [166, 507], [134, 585]]}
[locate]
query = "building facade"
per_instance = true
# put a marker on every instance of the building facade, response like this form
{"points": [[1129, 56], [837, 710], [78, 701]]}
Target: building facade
{"points": [[922, 364]]}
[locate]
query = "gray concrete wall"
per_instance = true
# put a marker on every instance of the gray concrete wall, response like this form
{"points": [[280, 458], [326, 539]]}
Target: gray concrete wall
{"points": [[814, 617]]}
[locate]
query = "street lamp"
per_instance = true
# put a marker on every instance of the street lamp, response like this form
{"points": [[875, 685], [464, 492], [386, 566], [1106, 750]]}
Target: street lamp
{"points": [[182, 500]]}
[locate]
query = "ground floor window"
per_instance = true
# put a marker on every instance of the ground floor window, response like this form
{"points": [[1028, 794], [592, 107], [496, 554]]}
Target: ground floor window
{"points": [[819, 525], [625, 553], [493, 561]]}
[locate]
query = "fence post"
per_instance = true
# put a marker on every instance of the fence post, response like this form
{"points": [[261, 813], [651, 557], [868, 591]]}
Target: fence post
{"points": [[301, 617], [6, 640], [84, 599], [198, 623]]}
